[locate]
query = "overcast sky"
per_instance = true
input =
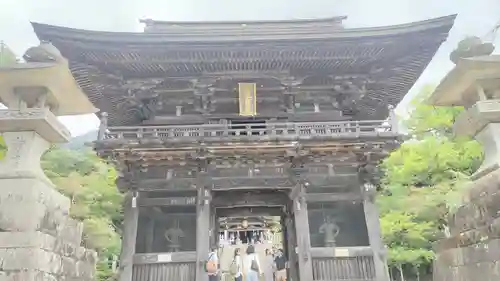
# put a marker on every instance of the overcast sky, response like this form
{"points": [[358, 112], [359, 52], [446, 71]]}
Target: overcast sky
{"points": [[475, 17]]}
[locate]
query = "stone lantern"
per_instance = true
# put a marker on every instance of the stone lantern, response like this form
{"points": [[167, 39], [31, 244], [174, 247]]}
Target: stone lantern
{"points": [[38, 239], [471, 251]]}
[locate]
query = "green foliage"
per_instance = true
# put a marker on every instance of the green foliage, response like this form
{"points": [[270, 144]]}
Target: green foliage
{"points": [[424, 180], [62, 162], [96, 202], [427, 120], [7, 56], [3, 148]]}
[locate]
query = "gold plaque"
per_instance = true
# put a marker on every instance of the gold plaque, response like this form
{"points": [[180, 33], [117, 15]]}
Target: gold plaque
{"points": [[248, 99]]}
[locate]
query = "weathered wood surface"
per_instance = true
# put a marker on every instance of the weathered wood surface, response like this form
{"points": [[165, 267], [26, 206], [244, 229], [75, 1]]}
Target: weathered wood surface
{"points": [[250, 199], [95, 60], [130, 223], [375, 233], [301, 222], [168, 201], [202, 231], [178, 271], [249, 212]]}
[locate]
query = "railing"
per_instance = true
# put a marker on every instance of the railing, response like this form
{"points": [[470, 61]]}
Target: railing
{"points": [[179, 266], [303, 130], [359, 268], [181, 271]]}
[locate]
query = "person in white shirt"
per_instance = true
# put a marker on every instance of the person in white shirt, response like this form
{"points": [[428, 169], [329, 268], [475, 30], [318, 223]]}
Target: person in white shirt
{"points": [[239, 265], [268, 269], [251, 264]]}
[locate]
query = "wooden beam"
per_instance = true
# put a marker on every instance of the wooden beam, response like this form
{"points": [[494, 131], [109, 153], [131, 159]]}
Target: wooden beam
{"points": [[169, 201], [328, 252], [303, 237], [153, 258], [278, 181], [333, 197], [375, 234], [249, 211], [243, 199], [130, 223]]}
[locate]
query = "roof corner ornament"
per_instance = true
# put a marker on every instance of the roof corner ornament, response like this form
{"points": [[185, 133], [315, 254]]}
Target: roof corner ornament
{"points": [[393, 119], [469, 47], [135, 195], [45, 52], [103, 126], [370, 175]]}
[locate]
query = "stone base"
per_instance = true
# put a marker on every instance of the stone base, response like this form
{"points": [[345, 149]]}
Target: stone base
{"points": [[472, 263], [32, 205], [472, 253], [38, 239], [36, 256]]}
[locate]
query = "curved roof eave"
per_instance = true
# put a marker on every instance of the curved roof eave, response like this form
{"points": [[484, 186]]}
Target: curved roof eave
{"points": [[45, 31]]}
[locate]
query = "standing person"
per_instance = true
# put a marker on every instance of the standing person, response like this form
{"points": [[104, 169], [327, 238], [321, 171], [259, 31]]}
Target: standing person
{"points": [[212, 265], [269, 266], [281, 264], [252, 265], [236, 268]]}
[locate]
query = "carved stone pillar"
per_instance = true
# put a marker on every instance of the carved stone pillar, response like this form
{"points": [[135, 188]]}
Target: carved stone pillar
{"points": [[35, 227]]}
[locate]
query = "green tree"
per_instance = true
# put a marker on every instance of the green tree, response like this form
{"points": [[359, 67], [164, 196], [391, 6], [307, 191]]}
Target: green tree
{"points": [[96, 202], [7, 56], [3, 148], [424, 180]]}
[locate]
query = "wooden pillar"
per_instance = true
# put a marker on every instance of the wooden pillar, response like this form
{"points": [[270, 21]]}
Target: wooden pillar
{"points": [[303, 237], [130, 221], [214, 227], [202, 232], [375, 234], [291, 242], [150, 229]]}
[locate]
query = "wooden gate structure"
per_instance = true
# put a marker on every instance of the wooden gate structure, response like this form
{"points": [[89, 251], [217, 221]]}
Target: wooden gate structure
{"points": [[201, 118]]}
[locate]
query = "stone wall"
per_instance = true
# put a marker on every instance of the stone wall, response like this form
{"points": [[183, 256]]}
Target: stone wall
{"points": [[472, 253], [38, 239]]}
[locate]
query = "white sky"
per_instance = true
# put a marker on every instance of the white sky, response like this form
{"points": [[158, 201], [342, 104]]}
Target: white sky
{"points": [[476, 17]]}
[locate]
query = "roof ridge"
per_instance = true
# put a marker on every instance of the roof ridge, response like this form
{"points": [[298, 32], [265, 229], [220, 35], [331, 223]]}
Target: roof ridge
{"points": [[229, 22]]}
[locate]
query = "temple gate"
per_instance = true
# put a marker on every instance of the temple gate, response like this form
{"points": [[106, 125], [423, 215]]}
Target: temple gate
{"points": [[222, 119]]}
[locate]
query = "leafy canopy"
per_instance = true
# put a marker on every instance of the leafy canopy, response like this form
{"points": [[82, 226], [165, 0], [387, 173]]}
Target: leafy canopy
{"points": [[424, 180], [90, 184]]}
